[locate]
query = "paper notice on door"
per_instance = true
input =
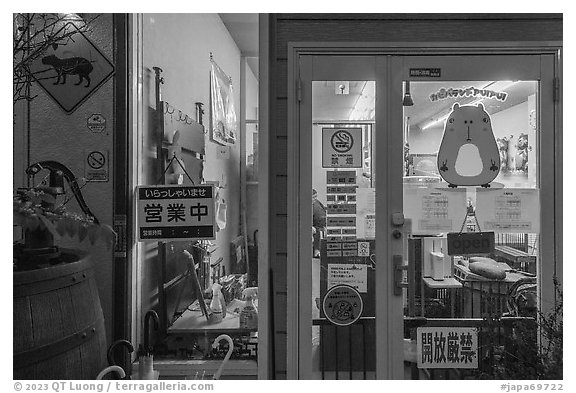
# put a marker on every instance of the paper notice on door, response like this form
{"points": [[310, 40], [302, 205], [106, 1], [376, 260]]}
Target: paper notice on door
{"points": [[354, 275], [434, 210], [508, 210], [366, 213]]}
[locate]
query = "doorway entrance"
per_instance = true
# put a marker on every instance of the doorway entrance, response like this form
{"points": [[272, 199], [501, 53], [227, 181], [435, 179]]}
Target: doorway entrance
{"points": [[376, 287]]}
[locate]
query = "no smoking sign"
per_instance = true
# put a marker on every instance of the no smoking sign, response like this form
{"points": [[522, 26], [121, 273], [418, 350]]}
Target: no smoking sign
{"points": [[96, 165], [341, 147]]}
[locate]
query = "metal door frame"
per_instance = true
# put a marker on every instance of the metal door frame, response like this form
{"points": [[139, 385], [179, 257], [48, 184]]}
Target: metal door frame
{"points": [[551, 179]]}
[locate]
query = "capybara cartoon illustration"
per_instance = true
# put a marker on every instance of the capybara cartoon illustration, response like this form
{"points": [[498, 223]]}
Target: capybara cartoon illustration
{"points": [[70, 66], [468, 125]]}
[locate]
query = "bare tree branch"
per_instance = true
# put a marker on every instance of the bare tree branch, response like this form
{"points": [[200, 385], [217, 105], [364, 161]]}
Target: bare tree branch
{"points": [[33, 35]]}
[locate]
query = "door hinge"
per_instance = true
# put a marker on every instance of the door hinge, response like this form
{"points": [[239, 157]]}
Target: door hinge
{"points": [[556, 89], [299, 90]]}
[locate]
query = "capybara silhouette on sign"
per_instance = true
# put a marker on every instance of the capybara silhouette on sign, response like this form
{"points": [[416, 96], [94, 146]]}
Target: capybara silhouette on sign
{"points": [[70, 66], [468, 125]]}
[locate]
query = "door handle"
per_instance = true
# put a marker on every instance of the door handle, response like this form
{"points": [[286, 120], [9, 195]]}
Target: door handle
{"points": [[399, 282]]}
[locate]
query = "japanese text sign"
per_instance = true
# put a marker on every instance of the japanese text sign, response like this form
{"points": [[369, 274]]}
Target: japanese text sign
{"points": [[341, 147], [508, 210], [447, 347], [175, 212]]}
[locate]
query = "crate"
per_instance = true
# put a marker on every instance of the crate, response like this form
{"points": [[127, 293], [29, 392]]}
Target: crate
{"points": [[481, 297]]}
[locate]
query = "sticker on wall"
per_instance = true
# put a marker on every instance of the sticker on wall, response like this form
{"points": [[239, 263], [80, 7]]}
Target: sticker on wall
{"points": [[341, 147], [96, 123], [468, 154], [175, 212], [96, 165], [342, 305], [447, 347], [71, 71], [426, 72]]}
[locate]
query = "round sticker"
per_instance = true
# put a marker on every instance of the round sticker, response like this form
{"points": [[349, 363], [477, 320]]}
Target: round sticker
{"points": [[96, 160], [342, 141], [342, 305]]}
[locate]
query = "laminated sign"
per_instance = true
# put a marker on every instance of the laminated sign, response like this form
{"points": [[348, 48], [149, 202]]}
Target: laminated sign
{"points": [[175, 212], [341, 147], [447, 347]]}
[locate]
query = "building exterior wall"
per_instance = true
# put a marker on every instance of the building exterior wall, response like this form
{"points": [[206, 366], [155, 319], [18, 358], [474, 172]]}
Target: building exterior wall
{"points": [[286, 28], [55, 135]]}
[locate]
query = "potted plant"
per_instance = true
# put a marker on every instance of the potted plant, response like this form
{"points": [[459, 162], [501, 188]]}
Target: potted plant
{"points": [[45, 221]]}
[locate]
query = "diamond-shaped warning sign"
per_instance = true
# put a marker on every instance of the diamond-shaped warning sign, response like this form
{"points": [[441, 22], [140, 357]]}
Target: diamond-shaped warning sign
{"points": [[71, 70]]}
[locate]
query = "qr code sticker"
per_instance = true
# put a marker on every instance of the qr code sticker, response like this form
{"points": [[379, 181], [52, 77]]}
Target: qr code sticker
{"points": [[363, 249]]}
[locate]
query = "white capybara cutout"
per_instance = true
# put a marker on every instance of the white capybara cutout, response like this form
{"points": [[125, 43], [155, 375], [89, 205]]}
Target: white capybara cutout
{"points": [[468, 124]]}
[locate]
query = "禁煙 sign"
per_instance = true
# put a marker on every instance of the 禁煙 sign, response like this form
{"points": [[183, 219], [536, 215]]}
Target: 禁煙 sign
{"points": [[175, 212]]}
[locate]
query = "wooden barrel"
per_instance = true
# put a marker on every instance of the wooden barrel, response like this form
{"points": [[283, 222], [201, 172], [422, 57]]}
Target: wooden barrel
{"points": [[58, 322]]}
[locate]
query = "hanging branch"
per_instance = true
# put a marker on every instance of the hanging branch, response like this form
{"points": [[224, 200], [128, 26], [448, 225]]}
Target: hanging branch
{"points": [[33, 34]]}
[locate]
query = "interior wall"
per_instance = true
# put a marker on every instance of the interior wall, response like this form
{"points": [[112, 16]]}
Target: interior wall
{"points": [[181, 44], [286, 28], [58, 136]]}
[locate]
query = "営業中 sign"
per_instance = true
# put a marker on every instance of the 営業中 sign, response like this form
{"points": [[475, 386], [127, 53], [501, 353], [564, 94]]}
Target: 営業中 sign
{"points": [[175, 212], [447, 347], [342, 305], [341, 147]]}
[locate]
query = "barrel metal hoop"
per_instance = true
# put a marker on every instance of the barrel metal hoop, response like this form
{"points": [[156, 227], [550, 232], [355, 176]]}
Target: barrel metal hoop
{"points": [[53, 284], [48, 351]]}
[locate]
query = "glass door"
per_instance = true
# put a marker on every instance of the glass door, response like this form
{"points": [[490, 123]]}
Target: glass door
{"points": [[344, 275], [426, 244], [477, 154]]}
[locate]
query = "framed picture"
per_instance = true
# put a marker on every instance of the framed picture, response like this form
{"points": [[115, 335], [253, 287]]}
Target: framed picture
{"points": [[223, 120]]}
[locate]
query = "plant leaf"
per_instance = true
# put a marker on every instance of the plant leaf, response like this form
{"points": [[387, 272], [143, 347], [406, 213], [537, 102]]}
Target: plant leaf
{"points": [[93, 234], [49, 226], [82, 232], [32, 223], [109, 235], [48, 198], [61, 227], [54, 46]]}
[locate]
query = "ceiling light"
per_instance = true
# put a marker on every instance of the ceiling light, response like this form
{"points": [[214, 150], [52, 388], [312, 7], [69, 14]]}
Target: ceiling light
{"points": [[407, 101]]}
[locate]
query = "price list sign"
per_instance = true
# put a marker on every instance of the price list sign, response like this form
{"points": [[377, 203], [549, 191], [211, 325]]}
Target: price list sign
{"points": [[175, 212], [341, 214]]}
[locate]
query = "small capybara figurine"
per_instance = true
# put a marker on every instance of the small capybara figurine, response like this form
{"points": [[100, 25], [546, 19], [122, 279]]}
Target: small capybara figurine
{"points": [[70, 66]]}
